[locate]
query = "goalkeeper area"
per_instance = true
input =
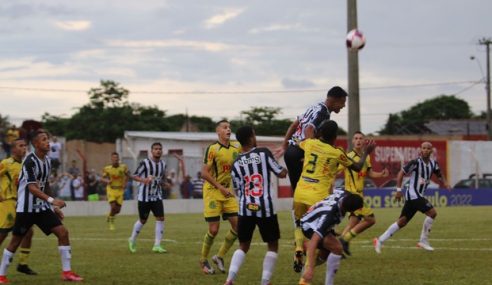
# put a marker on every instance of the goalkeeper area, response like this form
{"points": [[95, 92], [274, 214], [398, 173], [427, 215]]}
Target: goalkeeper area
{"points": [[461, 236]]}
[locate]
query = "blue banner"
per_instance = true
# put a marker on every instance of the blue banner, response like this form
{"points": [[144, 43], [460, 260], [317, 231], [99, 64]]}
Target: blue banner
{"points": [[384, 198]]}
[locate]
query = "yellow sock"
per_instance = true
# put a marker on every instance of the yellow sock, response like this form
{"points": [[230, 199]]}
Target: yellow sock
{"points": [[208, 241], [24, 255], [299, 239], [230, 238], [349, 235]]}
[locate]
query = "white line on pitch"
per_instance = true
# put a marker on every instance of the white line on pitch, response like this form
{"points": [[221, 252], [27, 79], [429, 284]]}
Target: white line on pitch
{"points": [[436, 248]]}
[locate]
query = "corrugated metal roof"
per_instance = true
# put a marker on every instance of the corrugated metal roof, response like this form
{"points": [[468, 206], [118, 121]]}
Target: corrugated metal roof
{"points": [[190, 136], [458, 127]]}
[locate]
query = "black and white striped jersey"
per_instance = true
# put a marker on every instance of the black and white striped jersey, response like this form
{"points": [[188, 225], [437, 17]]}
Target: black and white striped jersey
{"points": [[421, 174], [313, 116], [156, 170], [252, 180], [323, 216], [34, 170]]}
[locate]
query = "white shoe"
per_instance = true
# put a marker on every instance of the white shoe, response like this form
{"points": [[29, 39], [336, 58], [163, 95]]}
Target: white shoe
{"points": [[219, 261], [377, 245], [425, 246]]}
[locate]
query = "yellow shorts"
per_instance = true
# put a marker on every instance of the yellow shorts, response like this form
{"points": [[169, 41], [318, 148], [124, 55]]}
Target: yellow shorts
{"points": [[115, 196], [365, 211], [304, 199], [300, 209], [7, 215], [215, 205]]}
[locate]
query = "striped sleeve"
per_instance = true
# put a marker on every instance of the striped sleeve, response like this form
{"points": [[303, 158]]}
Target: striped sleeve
{"points": [[437, 170], [29, 171], [272, 163], [411, 165], [140, 169]]}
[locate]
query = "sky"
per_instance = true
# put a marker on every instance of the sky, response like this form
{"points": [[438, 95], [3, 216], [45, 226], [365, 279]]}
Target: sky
{"points": [[218, 58]]}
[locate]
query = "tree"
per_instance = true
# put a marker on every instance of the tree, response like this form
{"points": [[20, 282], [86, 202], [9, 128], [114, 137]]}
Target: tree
{"points": [[109, 94], [412, 121], [263, 119]]}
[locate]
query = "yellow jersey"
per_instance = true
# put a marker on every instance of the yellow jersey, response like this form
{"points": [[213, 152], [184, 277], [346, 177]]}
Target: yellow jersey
{"points": [[354, 181], [9, 178], [117, 176], [319, 170], [219, 159]]}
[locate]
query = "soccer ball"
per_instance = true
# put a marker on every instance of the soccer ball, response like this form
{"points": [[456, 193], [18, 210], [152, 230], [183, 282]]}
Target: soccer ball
{"points": [[355, 40]]}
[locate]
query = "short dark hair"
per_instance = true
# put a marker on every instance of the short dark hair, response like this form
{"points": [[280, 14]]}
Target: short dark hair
{"points": [[36, 133], [358, 133], [352, 202], [221, 121], [336, 92], [244, 134], [154, 144], [115, 153], [328, 130]]}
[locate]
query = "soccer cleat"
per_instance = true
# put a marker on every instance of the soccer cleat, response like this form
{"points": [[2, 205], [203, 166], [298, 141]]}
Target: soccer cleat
{"points": [[132, 246], [206, 268], [71, 276], [298, 262], [345, 246], [112, 227], [4, 280], [24, 268], [219, 261], [158, 249], [425, 246], [377, 245]]}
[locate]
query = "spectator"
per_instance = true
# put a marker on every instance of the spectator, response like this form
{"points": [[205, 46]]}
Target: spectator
{"points": [[64, 184], [198, 186], [92, 182], [11, 135], [55, 154], [78, 189], [74, 170], [128, 194], [168, 188], [186, 188]]}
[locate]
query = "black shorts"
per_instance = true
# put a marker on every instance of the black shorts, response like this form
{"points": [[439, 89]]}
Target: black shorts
{"points": [[144, 209], [293, 158], [268, 227], [412, 206], [309, 234], [46, 221]]}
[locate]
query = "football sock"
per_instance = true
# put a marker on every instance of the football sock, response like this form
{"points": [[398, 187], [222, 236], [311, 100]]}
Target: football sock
{"points": [[159, 232], [230, 238], [6, 260], [426, 228], [299, 239], [137, 227], [24, 255], [66, 255], [331, 267], [349, 235], [111, 219], [236, 262], [268, 266], [389, 232], [208, 241]]}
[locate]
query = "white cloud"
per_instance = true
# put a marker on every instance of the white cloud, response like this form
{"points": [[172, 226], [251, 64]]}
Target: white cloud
{"points": [[223, 17], [73, 25], [197, 45], [275, 27]]}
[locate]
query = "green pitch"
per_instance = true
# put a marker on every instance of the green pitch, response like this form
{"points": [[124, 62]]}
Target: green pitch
{"points": [[462, 237]]}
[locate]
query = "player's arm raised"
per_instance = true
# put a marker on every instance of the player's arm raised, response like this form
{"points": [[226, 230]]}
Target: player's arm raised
{"points": [[290, 131], [357, 166]]}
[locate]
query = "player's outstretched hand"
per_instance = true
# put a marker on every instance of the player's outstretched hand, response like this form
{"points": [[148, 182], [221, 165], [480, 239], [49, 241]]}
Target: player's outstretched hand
{"points": [[370, 146], [385, 173], [278, 152], [59, 203], [59, 213], [398, 196]]}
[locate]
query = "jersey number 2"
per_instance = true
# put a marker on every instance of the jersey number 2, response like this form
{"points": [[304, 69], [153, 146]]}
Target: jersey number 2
{"points": [[253, 185]]}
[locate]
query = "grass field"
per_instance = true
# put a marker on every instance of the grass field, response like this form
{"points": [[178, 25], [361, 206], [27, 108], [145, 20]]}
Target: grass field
{"points": [[462, 237]]}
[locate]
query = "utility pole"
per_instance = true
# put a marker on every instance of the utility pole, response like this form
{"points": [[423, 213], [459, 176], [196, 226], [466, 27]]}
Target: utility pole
{"points": [[486, 42], [353, 76]]}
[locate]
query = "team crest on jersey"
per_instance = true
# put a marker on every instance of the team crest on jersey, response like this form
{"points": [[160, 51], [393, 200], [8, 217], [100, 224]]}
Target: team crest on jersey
{"points": [[212, 205], [253, 207]]}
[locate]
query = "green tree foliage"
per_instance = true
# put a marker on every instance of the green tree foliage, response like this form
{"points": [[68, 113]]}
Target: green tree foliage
{"points": [[263, 119], [412, 121]]}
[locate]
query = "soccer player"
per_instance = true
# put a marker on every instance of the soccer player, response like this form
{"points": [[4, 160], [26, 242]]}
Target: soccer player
{"points": [[317, 225], [251, 179], [321, 161], [421, 170], [364, 218], [306, 126], [151, 173], [115, 175], [36, 207], [9, 174], [218, 197]]}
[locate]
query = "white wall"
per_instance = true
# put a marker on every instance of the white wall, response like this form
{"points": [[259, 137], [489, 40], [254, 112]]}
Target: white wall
{"points": [[467, 157]]}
